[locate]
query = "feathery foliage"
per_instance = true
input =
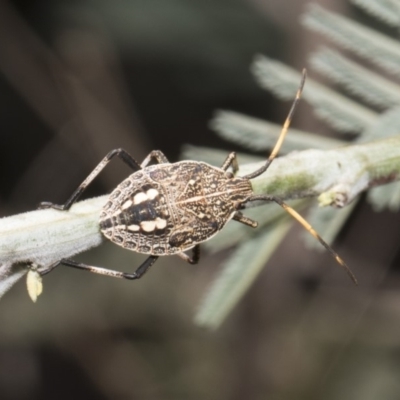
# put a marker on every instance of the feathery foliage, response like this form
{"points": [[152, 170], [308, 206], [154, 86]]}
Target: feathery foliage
{"points": [[234, 280], [374, 46], [255, 134], [342, 113], [370, 109], [388, 11], [356, 79]]}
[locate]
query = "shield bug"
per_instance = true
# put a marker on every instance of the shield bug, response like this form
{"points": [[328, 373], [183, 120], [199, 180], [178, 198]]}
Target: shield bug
{"points": [[168, 208]]}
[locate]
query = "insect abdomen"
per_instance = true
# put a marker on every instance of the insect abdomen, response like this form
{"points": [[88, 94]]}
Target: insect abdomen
{"points": [[137, 217]]}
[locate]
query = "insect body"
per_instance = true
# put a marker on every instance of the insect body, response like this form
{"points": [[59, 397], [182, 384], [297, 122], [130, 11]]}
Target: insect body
{"points": [[169, 208], [166, 209]]}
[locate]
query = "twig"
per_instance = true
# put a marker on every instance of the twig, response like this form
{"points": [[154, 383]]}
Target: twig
{"points": [[337, 176]]}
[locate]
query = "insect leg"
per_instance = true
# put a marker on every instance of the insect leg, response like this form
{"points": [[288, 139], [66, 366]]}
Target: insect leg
{"points": [[143, 268], [309, 228], [121, 153], [157, 156], [195, 255], [238, 216], [231, 160]]}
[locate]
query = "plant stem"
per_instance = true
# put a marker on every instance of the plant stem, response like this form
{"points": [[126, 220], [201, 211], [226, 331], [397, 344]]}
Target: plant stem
{"points": [[44, 236]]}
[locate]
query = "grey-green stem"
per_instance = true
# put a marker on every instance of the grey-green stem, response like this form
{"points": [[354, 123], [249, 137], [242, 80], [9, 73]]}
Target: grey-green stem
{"points": [[336, 176]]}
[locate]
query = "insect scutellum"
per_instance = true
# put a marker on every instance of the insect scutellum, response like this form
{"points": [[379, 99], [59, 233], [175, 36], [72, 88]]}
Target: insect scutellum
{"points": [[168, 208]]}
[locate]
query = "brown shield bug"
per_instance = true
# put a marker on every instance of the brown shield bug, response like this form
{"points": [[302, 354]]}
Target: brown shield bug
{"points": [[167, 208]]}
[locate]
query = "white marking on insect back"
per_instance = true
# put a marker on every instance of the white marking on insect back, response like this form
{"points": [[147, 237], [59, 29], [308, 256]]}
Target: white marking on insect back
{"points": [[133, 228], [152, 193], [127, 204], [160, 223], [140, 198], [148, 226]]}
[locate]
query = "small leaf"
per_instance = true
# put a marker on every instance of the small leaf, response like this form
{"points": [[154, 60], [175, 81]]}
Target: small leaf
{"points": [[358, 80], [388, 11], [256, 134], [238, 273], [34, 284], [340, 112], [366, 42]]}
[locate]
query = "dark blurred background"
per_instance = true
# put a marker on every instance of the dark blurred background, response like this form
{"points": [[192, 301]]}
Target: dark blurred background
{"points": [[79, 78]]}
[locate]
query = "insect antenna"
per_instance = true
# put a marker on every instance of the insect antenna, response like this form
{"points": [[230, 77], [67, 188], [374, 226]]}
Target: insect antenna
{"points": [[287, 208], [284, 130], [309, 228]]}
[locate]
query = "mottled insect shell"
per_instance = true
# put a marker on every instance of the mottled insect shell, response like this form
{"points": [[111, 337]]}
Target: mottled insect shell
{"points": [[165, 209]]}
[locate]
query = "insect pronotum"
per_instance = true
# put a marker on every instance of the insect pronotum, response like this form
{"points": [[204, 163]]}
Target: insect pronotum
{"points": [[168, 208]]}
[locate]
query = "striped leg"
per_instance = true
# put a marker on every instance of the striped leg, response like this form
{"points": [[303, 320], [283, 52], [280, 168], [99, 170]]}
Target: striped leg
{"points": [[143, 268], [195, 256], [231, 161], [239, 217], [157, 156], [121, 153]]}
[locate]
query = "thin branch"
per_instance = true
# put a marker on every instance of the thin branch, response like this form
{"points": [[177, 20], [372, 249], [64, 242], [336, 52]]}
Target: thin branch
{"points": [[44, 236], [336, 176]]}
